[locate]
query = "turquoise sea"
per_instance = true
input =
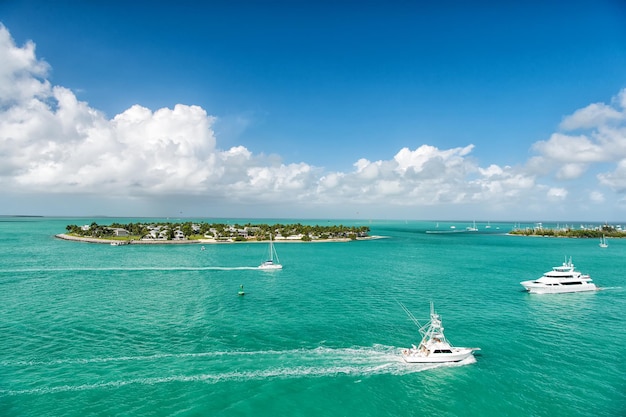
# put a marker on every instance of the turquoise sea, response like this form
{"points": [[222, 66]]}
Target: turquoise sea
{"points": [[97, 330]]}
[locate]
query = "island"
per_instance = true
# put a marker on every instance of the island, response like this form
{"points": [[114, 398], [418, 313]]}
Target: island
{"points": [[596, 232], [202, 232]]}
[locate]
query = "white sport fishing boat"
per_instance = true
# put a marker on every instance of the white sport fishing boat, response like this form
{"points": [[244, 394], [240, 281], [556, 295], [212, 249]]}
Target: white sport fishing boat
{"points": [[434, 347], [272, 261], [561, 279]]}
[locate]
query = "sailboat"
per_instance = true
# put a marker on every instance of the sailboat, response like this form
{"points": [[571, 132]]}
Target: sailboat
{"points": [[603, 243], [472, 228], [272, 261]]}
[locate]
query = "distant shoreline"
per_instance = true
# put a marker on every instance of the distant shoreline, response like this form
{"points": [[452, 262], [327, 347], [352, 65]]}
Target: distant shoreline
{"points": [[63, 236]]}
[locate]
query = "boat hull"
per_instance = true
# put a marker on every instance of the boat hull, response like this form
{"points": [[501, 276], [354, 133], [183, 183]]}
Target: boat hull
{"points": [[535, 288], [270, 266], [457, 355]]}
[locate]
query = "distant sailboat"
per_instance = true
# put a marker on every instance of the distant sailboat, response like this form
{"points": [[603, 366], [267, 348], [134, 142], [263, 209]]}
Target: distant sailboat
{"points": [[472, 228], [270, 263], [603, 243]]}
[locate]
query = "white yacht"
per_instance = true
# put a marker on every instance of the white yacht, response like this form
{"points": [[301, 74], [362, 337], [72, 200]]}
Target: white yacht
{"points": [[561, 279], [272, 259], [434, 347]]}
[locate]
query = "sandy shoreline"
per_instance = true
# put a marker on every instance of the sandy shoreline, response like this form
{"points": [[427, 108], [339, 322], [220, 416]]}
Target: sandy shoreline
{"points": [[198, 241]]}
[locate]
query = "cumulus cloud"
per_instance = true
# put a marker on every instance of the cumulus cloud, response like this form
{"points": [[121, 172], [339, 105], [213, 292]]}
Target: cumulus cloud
{"points": [[423, 176], [22, 76], [615, 180], [594, 115], [419, 159], [596, 197], [571, 171], [53, 143], [600, 139], [566, 149], [557, 194]]}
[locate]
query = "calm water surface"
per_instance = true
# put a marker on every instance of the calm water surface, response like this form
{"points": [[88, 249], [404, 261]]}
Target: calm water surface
{"points": [[158, 330]]}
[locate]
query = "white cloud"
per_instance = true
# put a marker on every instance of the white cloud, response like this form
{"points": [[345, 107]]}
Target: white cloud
{"points": [[557, 194], [594, 115], [53, 143], [418, 159], [389, 188], [367, 170], [565, 149], [616, 180], [491, 171], [596, 197], [503, 184], [601, 140], [571, 171], [21, 74]]}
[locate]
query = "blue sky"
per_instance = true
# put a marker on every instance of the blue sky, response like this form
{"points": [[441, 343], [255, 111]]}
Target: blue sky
{"points": [[406, 110]]}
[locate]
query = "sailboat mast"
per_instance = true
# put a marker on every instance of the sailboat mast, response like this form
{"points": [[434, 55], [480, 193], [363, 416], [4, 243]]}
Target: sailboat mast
{"points": [[273, 253]]}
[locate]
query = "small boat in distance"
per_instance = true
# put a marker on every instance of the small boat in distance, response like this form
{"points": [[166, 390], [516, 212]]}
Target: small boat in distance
{"points": [[270, 263], [434, 347], [603, 243], [561, 279], [472, 228]]}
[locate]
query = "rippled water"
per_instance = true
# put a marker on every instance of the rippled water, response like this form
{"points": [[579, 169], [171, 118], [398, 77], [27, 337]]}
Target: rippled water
{"points": [[90, 329]]}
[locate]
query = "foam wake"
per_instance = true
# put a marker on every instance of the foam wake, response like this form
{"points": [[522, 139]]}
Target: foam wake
{"points": [[249, 366], [147, 268]]}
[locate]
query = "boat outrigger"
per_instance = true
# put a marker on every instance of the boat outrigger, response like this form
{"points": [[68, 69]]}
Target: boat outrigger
{"points": [[434, 347]]}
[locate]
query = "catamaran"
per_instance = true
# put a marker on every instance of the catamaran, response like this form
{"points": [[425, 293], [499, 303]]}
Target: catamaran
{"points": [[472, 228], [272, 259], [603, 243]]}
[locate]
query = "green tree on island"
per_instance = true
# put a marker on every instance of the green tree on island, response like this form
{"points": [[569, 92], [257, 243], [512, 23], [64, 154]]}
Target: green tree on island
{"points": [[220, 231]]}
